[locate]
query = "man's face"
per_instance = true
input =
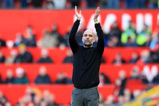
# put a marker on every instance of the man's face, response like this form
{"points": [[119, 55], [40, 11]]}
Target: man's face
{"points": [[88, 38]]}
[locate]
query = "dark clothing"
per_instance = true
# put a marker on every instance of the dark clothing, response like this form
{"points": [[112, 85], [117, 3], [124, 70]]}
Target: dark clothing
{"points": [[75, 3], [68, 59], [86, 61], [42, 79], [45, 60], [30, 42], [37, 3], [24, 58], [156, 79], [9, 80], [115, 32], [2, 59], [22, 80], [91, 3], [61, 81], [1, 79], [133, 60], [2, 43]]}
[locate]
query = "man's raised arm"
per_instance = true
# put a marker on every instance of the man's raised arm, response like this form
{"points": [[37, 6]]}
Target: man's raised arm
{"points": [[73, 43], [100, 44]]}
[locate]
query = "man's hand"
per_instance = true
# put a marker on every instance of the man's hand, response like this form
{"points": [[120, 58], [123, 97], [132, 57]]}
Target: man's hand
{"points": [[78, 15], [96, 14]]}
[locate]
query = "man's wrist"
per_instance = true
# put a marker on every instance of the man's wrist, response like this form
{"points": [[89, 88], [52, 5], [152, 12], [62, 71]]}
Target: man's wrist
{"points": [[96, 21]]}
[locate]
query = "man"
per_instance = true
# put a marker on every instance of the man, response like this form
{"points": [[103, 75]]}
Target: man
{"points": [[86, 63]]}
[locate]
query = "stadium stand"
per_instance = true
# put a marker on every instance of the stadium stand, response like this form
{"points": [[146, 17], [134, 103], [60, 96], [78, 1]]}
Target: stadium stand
{"points": [[127, 80]]}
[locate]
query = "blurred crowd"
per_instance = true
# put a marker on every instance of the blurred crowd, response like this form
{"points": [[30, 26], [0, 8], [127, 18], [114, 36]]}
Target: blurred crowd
{"points": [[122, 93], [42, 77], [66, 4], [115, 38], [32, 97]]}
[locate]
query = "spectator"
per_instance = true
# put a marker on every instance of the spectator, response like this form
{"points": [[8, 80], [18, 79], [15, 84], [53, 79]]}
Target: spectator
{"points": [[30, 38], [118, 60], [49, 4], [135, 73], [134, 58], [113, 4], [28, 97], [60, 4], [24, 3], [24, 56], [91, 3], [3, 99], [114, 42], [19, 40], [109, 101], [154, 41], [153, 4], [37, 100], [8, 3], [10, 78], [130, 42], [129, 33], [122, 77], [75, 3], [1, 4], [48, 98], [44, 57], [115, 30], [13, 54], [21, 77], [59, 39], [103, 79], [37, 3], [2, 43], [140, 3], [103, 3], [43, 77], [48, 41], [142, 37], [127, 96], [2, 58], [129, 3], [69, 57], [145, 56], [156, 79], [61, 78]]}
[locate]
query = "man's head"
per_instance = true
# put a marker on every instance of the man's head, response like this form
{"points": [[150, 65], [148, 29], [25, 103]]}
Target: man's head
{"points": [[22, 48], [88, 38], [42, 71], [44, 53]]}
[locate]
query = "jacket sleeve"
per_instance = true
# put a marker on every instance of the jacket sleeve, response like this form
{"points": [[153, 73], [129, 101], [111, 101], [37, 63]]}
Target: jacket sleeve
{"points": [[72, 41], [100, 44]]}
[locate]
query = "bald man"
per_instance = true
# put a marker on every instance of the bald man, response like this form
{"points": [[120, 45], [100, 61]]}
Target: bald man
{"points": [[86, 63]]}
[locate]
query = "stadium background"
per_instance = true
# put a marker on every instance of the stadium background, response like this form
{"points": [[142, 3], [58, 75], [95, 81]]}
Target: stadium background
{"points": [[129, 72]]}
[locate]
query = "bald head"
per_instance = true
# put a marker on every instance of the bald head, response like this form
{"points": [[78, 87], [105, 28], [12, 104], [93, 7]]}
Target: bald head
{"points": [[89, 37]]}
